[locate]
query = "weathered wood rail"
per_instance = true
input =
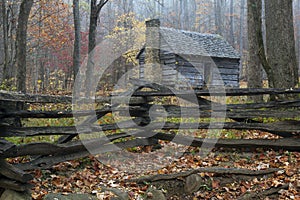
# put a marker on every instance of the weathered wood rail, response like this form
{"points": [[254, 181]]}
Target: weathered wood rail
{"points": [[240, 116]]}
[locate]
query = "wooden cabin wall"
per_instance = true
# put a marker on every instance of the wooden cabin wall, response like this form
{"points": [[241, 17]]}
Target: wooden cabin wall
{"points": [[176, 70], [229, 70], [205, 71], [169, 73], [192, 69], [226, 70]]}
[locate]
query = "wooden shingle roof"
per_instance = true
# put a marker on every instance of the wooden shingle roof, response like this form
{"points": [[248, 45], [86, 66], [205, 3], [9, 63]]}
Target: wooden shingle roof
{"points": [[194, 43]]}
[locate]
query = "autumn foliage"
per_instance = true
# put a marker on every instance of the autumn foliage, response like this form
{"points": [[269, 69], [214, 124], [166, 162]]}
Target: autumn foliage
{"points": [[51, 38]]}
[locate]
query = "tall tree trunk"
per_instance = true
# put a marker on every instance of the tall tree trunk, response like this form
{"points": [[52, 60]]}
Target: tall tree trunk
{"points": [[5, 40], [242, 19], [298, 32], [13, 9], [95, 11], [181, 14], [193, 14], [186, 15], [231, 37], [241, 41], [77, 45], [218, 16], [110, 13], [177, 10], [257, 8], [25, 8], [280, 43], [254, 69]]}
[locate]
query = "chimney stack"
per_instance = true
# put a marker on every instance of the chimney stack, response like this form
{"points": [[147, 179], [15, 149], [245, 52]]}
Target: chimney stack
{"points": [[153, 70]]}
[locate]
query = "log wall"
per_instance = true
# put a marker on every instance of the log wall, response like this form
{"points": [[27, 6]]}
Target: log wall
{"points": [[195, 71]]}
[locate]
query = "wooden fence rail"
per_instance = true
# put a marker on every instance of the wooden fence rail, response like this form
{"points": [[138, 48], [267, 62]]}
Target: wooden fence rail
{"points": [[281, 118]]}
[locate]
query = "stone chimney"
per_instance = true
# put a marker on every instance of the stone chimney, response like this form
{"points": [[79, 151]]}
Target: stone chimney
{"points": [[153, 70]]}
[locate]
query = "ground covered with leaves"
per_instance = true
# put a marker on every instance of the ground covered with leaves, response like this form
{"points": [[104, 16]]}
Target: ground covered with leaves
{"points": [[90, 176]]}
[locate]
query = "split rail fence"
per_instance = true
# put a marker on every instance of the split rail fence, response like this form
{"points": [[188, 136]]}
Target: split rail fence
{"points": [[240, 116]]}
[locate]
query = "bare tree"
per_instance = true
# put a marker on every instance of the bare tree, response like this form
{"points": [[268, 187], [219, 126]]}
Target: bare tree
{"points": [[25, 9], [231, 23], [5, 39], [254, 69], [280, 43], [242, 19], [94, 16], [95, 11], [77, 46], [8, 14], [218, 9], [297, 24], [186, 15], [192, 14]]}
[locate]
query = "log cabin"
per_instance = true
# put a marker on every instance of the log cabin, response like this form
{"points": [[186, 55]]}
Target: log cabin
{"points": [[185, 59]]}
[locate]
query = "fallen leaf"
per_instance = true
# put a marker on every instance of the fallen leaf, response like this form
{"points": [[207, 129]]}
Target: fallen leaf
{"points": [[215, 184], [243, 189]]}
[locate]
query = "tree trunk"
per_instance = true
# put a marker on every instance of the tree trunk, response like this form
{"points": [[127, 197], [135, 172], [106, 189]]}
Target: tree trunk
{"points": [[95, 11], [193, 15], [241, 41], [231, 37], [186, 17], [218, 4], [91, 46], [110, 13], [5, 40], [181, 14], [254, 69], [258, 19], [280, 43], [12, 10], [242, 19], [25, 8], [77, 46], [298, 33]]}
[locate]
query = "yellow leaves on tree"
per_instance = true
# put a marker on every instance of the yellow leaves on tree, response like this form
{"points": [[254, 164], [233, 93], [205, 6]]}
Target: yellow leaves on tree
{"points": [[130, 34]]}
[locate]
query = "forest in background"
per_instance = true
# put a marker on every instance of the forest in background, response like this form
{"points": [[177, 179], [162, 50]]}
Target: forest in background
{"points": [[51, 34], [44, 44]]}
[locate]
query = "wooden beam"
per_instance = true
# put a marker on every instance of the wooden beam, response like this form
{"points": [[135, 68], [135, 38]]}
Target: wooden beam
{"points": [[14, 185], [37, 98], [286, 128], [290, 144], [215, 170], [68, 153], [13, 173], [221, 92]]}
